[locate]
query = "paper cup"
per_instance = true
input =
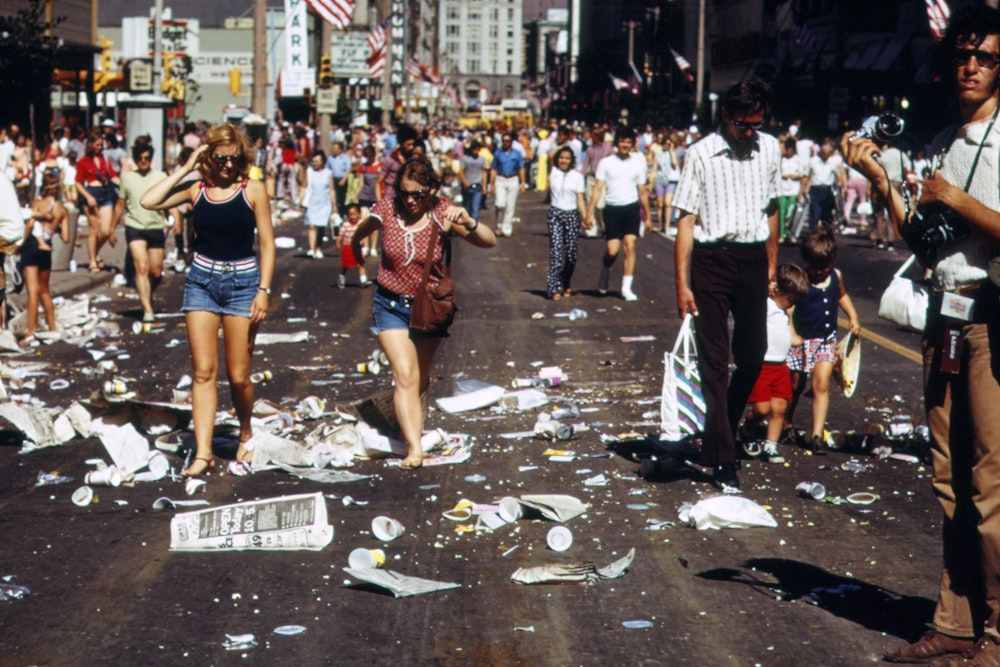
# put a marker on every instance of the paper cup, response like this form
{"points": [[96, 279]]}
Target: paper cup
{"points": [[461, 512], [559, 538], [83, 496], [386, 528], [511, 509], [158, 464], [362, 559], [109, 476]]}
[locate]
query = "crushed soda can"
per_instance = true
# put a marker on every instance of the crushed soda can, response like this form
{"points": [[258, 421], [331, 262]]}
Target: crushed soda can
{"points": [[262, 376], [148, 327]]}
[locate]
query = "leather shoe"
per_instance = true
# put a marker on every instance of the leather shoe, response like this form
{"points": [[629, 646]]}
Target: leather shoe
{"points": [[986, 653], [724, 477], [818, 446], [932, 645]]}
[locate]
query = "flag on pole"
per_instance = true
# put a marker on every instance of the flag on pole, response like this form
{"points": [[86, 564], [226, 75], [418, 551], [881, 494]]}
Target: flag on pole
{"points": [[683, 65], [619, 84], [420, 72], [377, 43], [337, 13], [937, 16]]}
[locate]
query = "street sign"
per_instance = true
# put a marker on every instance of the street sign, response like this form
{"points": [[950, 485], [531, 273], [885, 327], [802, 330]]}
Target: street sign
{"points": [[140, 76], [326, 100], [295, 81]]}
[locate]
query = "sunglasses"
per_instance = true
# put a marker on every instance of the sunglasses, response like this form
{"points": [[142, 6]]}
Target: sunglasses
{"points": [[985, 59], [415, 195], [743, 125], [144, 157], [221, 160]]}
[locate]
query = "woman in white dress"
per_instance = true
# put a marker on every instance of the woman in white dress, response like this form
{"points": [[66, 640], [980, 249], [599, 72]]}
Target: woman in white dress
{"points": [[320, 200]]}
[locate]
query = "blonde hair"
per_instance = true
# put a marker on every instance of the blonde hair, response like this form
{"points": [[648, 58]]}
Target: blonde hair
{"points": [[225, 134]]}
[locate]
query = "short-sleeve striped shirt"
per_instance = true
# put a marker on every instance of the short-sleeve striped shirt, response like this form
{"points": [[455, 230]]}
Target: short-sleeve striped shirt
{"points": [[404, 249], [729, 195]]}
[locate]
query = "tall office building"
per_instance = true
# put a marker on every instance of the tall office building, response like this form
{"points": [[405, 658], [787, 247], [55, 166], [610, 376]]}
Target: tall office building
{"points": [[482, 45]]}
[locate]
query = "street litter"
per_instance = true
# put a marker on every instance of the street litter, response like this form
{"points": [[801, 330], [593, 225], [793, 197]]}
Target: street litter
{"points": [[813, 490], [523, 399], [862, 498], [283, 523], [472, 400], [239, 642], [554, 507], [82, 496], [13, 592], [559, 538], [193, 486], [400, 585], [637, 625], [637, 339], [596, 480], [169, 503], [275, 338], [289, 630], [587, 571], [52, 478], [524, 628], [725, 512], [386, 528]]}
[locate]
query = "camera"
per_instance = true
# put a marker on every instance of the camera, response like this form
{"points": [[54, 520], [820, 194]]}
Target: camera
{"points": [[932, 226], [881, 129]]}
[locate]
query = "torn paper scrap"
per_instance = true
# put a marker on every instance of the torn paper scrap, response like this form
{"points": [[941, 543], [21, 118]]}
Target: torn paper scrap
{"points": [[472, 400], [36, 423], [586, 571], [555, 507], [284, 523], [619, 567], [400, 585], [272, 338], [128, 448], [725, 512]]}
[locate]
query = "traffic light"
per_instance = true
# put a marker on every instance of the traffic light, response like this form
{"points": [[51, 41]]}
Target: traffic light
{"points": [[104, 75], [235, 81], [325, 71]]}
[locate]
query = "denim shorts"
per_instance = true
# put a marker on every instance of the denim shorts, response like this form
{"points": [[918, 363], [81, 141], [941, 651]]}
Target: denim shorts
{"points": [[389, 313], [106, 195], [222, 289]]}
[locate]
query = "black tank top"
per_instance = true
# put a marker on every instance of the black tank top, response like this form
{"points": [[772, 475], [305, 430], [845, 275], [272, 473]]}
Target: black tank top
{"points": [[224, 229]]}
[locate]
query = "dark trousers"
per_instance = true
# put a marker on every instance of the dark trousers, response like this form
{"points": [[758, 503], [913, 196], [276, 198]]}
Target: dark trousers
{"points": [[820, 205], [341, 193], [728, 278]]}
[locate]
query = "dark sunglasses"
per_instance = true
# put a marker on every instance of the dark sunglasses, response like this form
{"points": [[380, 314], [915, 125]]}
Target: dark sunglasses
{"points": [[743, 125], [145, 156], [221, 160], [985, 59], [415, 195]]}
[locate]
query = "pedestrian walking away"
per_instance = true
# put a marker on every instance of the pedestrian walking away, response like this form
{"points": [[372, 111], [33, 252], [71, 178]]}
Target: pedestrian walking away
{"points": [[621, 179], [732, 265], [227, 284], [319, 200], [961, 390], [405, 223]]}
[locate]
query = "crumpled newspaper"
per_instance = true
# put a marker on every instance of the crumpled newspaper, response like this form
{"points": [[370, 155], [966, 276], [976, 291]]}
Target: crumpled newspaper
{"points": [[555, 507], [586, 571], [400, 585]]}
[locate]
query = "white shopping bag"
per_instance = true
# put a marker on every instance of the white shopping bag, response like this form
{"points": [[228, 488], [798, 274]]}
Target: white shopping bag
{"points": [[904, 301], [682, 405]]}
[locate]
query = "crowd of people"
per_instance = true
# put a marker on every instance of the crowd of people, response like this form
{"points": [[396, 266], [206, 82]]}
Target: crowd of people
{"points": [[728, 199]]}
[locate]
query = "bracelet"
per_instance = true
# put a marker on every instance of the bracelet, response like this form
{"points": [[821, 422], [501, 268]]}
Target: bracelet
{"points": [[265, 290], [474, 227]]}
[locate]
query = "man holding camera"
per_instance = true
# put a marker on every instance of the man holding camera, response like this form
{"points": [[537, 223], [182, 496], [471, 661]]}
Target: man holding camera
{"points": [[955, 229]]}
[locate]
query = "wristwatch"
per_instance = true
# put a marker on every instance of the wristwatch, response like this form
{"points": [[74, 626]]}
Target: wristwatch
{"points": [[265, 290]]}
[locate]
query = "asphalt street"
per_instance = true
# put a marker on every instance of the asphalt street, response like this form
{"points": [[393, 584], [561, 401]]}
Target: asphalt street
{"points": [[834, 583]]}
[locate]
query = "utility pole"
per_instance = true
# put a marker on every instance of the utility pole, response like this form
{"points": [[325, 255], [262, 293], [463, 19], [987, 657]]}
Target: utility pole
{"points": [[700, 87], [384, 10], [157, 45], [631, 26], [326, 35], [258, 90]]}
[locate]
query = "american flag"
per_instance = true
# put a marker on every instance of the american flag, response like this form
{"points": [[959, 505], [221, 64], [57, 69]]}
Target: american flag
{"points": [[377, 43], [420, 72], [619, 84], [937, 16], [337, 13]]}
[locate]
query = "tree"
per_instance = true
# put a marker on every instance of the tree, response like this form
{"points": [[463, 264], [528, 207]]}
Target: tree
{"points": [[27, 60]]}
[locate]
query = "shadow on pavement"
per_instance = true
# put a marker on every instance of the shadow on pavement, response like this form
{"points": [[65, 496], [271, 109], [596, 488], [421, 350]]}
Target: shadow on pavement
{"points": [[852, 599]]}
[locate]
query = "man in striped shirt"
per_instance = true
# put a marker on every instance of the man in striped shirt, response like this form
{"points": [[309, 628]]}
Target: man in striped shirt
{"points": [[727, 264]]}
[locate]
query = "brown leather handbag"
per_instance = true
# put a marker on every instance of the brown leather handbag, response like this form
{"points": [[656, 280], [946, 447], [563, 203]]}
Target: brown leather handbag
{"points": [[434, 307]]}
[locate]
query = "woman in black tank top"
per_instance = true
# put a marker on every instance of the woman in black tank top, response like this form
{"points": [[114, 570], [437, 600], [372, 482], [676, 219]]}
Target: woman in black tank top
{"points": [[226, 285]]}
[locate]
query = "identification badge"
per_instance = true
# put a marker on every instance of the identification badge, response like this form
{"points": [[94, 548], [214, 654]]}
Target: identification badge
{"points": [[957, 307], [951, 355]]}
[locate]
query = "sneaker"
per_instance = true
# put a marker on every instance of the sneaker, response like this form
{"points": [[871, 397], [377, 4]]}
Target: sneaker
{"points": [[629, 295], [818, 446], [310, 254], [771, 454], [341, 281], [179, 266], [148, 317], [364, 282], [602, 282], [318, 254], [932, 645], [724, 477]]}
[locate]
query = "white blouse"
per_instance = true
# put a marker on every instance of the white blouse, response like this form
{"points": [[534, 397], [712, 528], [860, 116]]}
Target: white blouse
{"points": [[564, 186]]}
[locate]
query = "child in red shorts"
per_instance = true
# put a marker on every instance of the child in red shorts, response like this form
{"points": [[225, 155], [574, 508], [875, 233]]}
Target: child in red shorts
{"points": [[347, 260], [773, 389]]}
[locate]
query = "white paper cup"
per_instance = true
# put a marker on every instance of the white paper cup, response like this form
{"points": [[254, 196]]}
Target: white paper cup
{"points": [[511, 509], [158, 464], [386, 528], [559, 538], [361, 559], [83, 496], [108, 476]]}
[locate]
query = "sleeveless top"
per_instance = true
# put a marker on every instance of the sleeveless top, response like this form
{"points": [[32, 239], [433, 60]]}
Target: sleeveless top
{"points": [[224, 230], [815, 316], [404, 250]]}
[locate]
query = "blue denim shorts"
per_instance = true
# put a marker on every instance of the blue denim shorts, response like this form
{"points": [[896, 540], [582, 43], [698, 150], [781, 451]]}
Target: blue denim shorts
{"points": [[106, 195], [389, 313], [224, 289]]}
